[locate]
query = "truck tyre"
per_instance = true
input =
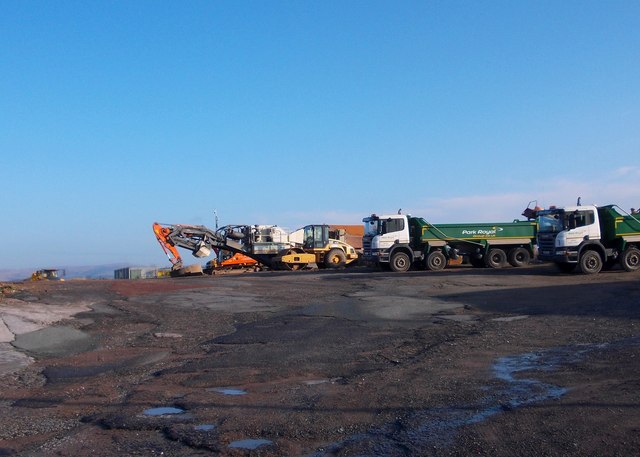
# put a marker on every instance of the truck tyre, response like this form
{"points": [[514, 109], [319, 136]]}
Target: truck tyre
{"points": [[519, 257], [335, 258], [400, 262], [436, 260], [496, 258], [590, 262], [630, 259]]}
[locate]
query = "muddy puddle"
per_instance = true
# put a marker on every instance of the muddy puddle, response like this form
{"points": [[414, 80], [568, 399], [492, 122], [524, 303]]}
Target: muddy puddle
{"points": [[435, 428], [63, 373], [227, 391], [59, 341], [163, 411], [249, 443]]}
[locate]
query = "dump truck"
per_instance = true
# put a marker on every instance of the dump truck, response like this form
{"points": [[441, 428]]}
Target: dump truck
{"points": [[269, 245], [589, 237], [400, 242]]}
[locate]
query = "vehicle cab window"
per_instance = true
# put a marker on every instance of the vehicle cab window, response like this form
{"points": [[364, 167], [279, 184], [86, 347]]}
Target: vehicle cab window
{"points": [[392, 225], [580, 219]]}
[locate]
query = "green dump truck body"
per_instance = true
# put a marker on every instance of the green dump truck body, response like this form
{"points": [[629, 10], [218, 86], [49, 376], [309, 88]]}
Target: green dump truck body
{"points": [[615, 225], [402, 241], [480, 232]]}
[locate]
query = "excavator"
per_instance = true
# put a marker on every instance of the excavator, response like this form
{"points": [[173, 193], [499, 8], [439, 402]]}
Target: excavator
{"points": [[230, 261], [269, 245]]}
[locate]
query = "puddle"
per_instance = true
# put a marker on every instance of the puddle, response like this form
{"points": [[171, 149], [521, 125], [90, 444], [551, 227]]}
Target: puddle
{"points": [[67, 372], [205, 427], [163, 411], [436, 428], [249, 443], [227, 391], [61, 341]]}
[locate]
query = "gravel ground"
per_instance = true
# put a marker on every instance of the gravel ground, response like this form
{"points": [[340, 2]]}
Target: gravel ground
{"points": [[464, 361]]}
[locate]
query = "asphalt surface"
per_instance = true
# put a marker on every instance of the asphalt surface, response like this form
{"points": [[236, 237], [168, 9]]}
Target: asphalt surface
{"points": [[318, 363]]}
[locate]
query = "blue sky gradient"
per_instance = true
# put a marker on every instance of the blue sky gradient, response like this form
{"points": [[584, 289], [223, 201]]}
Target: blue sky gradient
{"points": [[115, 114]]}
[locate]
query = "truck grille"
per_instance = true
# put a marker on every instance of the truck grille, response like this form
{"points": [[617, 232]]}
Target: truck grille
{"points": [[546, 242], [366, 245]]}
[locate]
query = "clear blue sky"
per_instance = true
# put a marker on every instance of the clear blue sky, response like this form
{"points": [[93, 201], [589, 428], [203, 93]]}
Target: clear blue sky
{"points": [[116, 114]]}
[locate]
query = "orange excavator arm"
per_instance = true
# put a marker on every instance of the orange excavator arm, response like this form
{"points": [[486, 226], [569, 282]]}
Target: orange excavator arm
{"points": [[167, 246], [201, 240]]}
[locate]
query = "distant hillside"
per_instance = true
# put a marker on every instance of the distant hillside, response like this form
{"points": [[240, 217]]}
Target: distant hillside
{"points": [[71, 272], [14, 274]]}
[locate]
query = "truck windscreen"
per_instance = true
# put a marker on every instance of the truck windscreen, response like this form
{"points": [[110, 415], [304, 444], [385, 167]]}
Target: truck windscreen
{"points": [[371, 227], [551, 221]]}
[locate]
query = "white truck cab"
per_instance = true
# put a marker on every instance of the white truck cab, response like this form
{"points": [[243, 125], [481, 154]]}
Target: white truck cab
{"points": [[381, 233], [564, 234]]}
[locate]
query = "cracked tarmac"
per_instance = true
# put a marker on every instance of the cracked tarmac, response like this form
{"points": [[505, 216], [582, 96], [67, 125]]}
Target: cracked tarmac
{"points": [[356, 362]]}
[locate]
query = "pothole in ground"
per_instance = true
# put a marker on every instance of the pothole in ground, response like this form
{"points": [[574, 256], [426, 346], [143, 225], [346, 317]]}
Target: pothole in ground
{"points": [[227, 391], [435, 428], [163, 411], [250, 443]]}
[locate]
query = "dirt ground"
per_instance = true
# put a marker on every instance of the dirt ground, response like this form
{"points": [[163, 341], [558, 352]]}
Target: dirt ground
{"points": [[512, 362]]}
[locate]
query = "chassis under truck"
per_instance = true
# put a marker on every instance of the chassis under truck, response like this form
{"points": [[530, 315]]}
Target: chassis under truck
{"points": [[402, 241], [589, 237]]}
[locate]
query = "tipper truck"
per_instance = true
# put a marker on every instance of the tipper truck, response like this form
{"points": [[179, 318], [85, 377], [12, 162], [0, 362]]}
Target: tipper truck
{"points": [[401, 241], [589, 237]]}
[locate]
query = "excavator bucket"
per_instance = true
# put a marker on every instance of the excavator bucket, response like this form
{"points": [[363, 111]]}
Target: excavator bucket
{"points": [[189, 270]]}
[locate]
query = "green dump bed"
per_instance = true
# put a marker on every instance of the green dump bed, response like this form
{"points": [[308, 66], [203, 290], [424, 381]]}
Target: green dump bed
{"points": [[517, 231], [615, 225]]}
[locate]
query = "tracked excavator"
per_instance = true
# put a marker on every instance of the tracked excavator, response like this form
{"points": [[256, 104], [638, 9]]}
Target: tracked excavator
{"points": [[269, 245], [230, 261]]}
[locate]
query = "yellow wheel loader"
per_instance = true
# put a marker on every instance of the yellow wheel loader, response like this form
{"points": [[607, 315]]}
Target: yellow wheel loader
{"points": [[315, 246]]}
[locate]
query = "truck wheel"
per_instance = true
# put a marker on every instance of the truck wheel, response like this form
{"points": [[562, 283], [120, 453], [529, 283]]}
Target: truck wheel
{"points": [[436, 261], [590, 263], [335, 258], [519, 257], [630, 259], [496, 258], [400, 262]]}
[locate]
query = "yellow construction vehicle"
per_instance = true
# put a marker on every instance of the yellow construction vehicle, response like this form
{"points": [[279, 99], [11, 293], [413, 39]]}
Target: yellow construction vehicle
{"points": [[267, 244], [48, 274], [315, 246]]}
